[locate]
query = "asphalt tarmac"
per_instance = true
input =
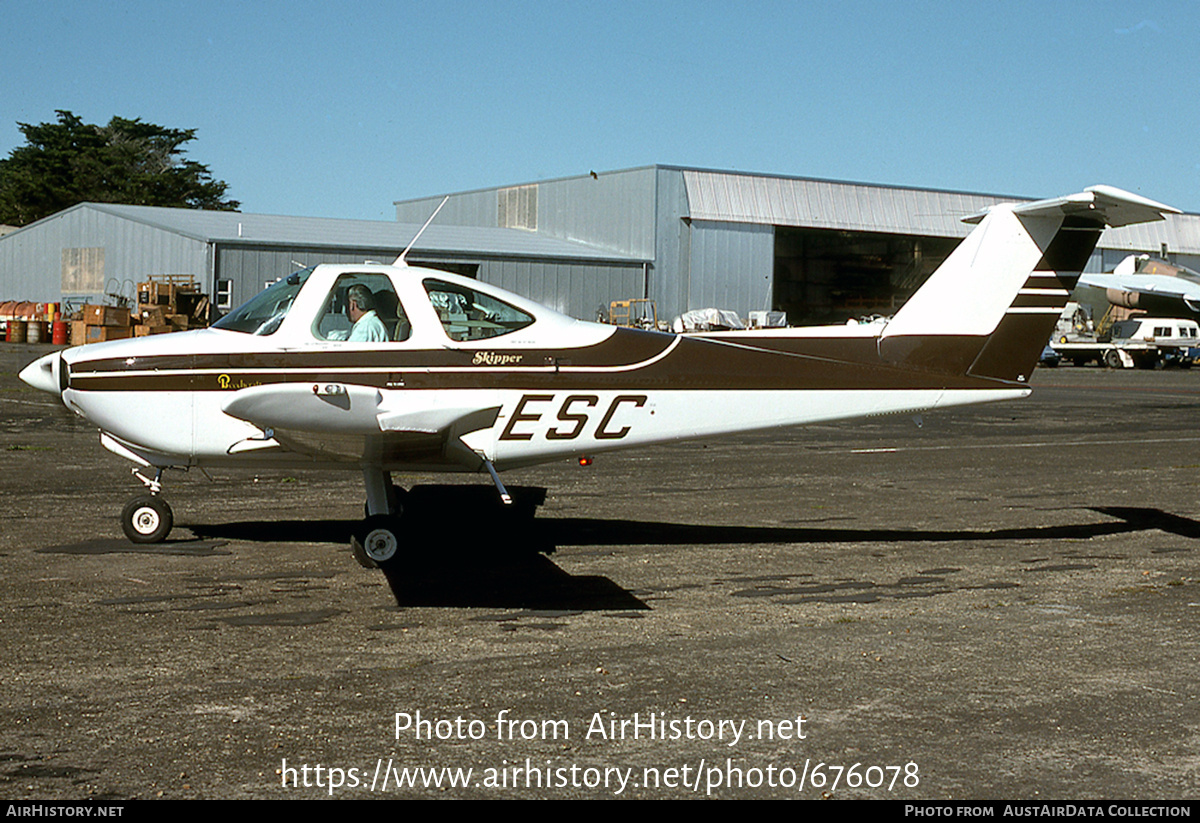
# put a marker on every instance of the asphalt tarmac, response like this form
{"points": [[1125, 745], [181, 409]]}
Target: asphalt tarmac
{"points": [[998, 603]]}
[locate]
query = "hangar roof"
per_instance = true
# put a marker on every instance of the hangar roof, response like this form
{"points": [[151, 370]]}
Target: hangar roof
{"points": [[250, 229], [735, 197], [794, 201]]}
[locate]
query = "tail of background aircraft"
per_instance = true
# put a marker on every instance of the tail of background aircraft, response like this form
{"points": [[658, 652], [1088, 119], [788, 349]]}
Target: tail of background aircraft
{"points": [[990, 308]]}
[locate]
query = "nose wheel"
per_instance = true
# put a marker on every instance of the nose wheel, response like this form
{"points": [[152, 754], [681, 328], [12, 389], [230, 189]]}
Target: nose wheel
{"points": [[147, 519]]}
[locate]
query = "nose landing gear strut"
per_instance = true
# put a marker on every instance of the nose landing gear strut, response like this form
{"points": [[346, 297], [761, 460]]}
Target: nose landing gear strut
{"points": [[147, 518]]}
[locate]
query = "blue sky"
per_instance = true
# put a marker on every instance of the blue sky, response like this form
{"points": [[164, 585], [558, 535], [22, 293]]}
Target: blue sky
{"points": [[337, 110]]}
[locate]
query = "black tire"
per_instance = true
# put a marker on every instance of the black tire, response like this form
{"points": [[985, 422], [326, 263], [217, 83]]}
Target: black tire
{"points": [[1112, 359], [376, 541], [147, 519]]}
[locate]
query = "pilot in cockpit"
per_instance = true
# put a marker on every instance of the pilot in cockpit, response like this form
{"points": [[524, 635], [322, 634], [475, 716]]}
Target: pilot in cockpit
{"points": [[354, 313], [368, 328]]}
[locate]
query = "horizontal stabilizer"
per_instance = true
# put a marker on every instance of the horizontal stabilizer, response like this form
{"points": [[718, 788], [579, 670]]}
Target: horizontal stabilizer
{"points": [[1111, 205]]}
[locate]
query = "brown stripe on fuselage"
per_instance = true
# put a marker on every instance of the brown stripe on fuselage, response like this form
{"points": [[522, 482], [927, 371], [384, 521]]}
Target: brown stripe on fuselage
{"points": [[696, 363], [933, 353], [943, 354]]}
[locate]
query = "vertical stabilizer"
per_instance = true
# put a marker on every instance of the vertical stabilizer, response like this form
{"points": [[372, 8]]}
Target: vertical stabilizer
{"points": [[990, 308]]}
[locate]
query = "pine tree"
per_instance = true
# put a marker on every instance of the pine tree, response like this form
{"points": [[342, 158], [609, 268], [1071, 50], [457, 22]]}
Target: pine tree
{"points": [[126, 161]]}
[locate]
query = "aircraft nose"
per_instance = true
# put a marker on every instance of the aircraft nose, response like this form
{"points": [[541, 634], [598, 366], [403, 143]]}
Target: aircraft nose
{"points": [[43, 373]]}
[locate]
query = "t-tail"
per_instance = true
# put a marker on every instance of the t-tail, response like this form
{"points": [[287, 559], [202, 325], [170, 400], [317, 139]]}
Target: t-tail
{"points": [[990, 308]]}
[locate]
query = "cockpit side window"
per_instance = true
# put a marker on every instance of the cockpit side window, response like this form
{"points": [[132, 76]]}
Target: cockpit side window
{"points": [[467, 314], [362, 308]]}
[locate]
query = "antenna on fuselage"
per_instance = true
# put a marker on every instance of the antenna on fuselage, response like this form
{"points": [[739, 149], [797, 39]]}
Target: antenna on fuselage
{"points": [[400, 261]]}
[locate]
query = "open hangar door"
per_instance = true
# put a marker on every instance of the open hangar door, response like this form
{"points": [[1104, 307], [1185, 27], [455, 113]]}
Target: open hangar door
{"points": [[827, 276]]}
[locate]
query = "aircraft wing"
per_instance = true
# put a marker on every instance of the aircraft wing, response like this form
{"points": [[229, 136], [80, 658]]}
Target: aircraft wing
{"points": [[1157, 284], [342, 409]]}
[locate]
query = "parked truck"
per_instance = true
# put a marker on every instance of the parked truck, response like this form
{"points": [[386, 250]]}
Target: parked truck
{"points": [[1144, 342]]}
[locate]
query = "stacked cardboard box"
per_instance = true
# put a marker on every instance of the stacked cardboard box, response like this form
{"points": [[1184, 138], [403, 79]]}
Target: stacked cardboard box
{"points": [[99, 323]]}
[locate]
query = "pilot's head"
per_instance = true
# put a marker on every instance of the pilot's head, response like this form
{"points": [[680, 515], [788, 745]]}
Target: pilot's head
{"points": [[359, 301]]}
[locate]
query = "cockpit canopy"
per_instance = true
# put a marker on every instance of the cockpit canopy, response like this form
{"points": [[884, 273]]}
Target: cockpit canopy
{"points": [[376, 304]]}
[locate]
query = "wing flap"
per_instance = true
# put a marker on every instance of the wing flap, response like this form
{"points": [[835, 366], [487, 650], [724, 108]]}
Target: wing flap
{"points": [[435, 420]]}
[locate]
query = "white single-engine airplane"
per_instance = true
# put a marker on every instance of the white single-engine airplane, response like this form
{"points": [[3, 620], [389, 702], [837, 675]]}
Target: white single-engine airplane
{"points": [[388, 368]]}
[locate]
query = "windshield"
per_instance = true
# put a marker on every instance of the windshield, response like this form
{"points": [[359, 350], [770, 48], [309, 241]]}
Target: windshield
{"points": [[1124, 328], [263, 313]]}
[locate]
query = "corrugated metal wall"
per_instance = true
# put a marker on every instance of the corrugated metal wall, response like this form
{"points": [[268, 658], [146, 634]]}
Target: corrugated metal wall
{"points": [[31, 260], [785, 201], [613, 211], [577, 290], [472, 208], [730, 266], [1180, 233], [672, 261]]}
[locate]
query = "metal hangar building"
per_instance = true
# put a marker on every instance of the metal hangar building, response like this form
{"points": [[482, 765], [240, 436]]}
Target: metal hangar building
{"points": [[823, 251], [94, 249]]}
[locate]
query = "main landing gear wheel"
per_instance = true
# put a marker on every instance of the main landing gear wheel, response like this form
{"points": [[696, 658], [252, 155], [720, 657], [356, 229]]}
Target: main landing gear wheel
{"points": [[376, 541], [147, 519]]}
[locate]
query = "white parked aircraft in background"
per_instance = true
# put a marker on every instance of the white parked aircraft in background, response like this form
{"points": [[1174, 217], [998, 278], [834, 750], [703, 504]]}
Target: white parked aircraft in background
{"points": [[1155, 286], [398, 368]]}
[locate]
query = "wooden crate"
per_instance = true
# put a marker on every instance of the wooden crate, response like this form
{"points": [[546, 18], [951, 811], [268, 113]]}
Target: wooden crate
{"points": [[96, 315]]}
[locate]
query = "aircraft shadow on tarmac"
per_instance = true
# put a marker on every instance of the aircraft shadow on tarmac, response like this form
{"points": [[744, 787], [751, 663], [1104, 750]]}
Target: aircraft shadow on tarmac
{"points": [[464, 550], [595, 532], [496, 557]]}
